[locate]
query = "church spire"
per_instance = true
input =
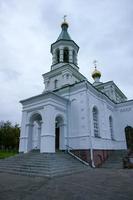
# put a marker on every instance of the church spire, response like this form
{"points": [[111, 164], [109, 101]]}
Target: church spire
{"points": [[64, 35]]}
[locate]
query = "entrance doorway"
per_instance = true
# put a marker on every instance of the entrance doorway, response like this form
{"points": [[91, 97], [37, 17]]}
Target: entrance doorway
{"points": [[59, 133], [129, 137], [34, 136], [57, 137]]}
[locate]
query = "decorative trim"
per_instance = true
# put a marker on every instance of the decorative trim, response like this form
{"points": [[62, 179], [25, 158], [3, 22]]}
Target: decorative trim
{"points": [[114, 140], [29, 124], [48, 135], [84, 136], [125, 109], [110, 108], [23, 137]]}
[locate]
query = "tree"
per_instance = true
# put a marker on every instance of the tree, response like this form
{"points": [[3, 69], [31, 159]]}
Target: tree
{"points": [[9, 136]]}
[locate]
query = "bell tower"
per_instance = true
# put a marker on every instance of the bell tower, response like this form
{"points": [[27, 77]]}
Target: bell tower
{"points": [[64, 50], [64, 69]]}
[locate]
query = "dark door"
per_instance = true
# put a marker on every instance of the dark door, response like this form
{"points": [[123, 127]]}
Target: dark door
{"points": [[129, 137], [57, 138]]}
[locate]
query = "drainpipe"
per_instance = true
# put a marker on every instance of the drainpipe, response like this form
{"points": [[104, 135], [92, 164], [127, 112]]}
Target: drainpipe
{"points": [[91, 146]]}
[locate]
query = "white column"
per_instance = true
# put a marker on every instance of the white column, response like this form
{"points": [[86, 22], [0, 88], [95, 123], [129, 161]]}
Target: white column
{"points": [[48, 130], [54, 57], [46, 83], [28, 143], [62, 136], [61, 54], [70, 55], [39, 136], [76, 59], [23, 136]]}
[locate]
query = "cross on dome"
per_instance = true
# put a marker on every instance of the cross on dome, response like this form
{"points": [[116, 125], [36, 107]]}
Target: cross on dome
{"points": [[95, 63], [64, 17]]}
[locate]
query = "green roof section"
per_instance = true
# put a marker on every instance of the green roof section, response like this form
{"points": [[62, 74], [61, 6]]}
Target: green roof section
{"points": [[64, 35]]}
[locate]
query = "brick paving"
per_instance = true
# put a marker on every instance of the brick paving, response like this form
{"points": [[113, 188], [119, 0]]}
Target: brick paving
{"points": [[94, 184]]}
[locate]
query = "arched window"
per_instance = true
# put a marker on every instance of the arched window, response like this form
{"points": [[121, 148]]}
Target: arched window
{"points": [[66, 55], [95, 122], [57, 55], [67, 76], [111, 127], [55, 84]]}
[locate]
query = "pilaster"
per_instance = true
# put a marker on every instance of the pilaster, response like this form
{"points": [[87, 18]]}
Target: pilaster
{"points": [[48, 130]]}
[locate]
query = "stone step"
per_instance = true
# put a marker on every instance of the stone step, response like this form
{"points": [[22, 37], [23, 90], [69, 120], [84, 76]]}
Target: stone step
{"points": [[25, 173], [45, 163], [43, 173], [40, 161], [42, 169], [37, 164], [51, 174], [39, 167], [25, 167], [41, 156]]}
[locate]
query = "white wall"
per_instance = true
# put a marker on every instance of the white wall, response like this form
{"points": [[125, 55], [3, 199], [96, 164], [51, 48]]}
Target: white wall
{"points": [[78, 121], [124, 118]]}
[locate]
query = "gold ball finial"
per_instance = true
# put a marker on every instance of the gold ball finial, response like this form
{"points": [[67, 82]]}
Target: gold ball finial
{"points": [[96, 73]]}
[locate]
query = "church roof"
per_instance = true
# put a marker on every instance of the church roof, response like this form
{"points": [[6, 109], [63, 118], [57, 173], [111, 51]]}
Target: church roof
{"points": [[64, 35], [112, 83]]}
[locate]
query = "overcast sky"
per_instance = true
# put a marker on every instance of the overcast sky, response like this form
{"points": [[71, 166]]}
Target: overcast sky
{"points": [[102, 28]]}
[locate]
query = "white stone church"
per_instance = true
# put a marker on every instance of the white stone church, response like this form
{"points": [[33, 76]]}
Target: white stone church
{"points": [[71, 113]]}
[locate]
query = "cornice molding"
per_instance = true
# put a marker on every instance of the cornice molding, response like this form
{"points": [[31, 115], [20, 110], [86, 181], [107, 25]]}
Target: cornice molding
{"points": [[43, 96], [59, 70]]}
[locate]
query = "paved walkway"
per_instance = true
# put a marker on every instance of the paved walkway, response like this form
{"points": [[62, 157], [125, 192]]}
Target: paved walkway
{"points": [[95, 184]]}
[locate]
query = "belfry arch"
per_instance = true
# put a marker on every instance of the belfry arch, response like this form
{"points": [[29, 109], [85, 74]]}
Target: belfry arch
{"points": [[66, 55], [34, 131]]}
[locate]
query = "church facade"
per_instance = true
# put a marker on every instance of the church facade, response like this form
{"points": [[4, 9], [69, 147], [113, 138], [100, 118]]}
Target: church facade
{"points": [[71, 113]]}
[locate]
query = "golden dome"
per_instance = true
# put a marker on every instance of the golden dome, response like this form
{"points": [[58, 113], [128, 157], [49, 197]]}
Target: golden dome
{"points": [[96, 73]]}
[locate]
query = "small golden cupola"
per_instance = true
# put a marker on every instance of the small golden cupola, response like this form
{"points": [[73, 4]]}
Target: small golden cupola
{"points": [[96, 75]]}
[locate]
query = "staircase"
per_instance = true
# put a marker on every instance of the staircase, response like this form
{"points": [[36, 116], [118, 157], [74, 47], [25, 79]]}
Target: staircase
{"points": [[115, 160], [42, 164]]}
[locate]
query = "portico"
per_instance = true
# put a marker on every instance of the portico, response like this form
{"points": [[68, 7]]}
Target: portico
{"points": [[40, 124]]}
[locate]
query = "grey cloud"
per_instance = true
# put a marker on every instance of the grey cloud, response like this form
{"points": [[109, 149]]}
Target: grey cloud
{"points": [[10, 74], [102, 29]]}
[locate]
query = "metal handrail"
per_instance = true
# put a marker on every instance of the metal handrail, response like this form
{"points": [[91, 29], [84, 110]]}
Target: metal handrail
{"points": [[72, 154]]}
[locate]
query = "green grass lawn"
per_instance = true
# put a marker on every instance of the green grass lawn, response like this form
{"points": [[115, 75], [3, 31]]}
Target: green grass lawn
{"points": [[6, 154]]}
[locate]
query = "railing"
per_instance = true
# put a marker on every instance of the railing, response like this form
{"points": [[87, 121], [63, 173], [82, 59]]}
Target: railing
{"points": [[75, 156]]}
